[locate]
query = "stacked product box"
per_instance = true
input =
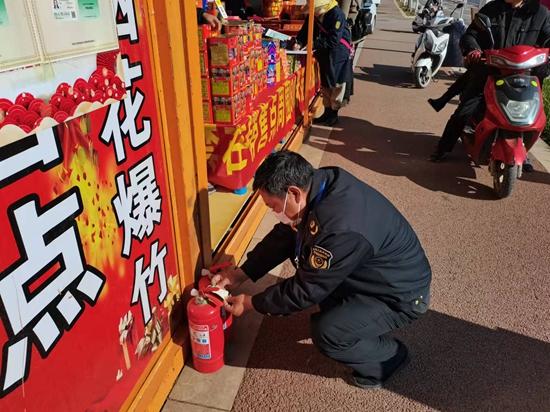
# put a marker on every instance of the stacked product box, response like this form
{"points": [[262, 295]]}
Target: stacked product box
{"points": [[236, 67], [228, 78], [273, 62], [205, 32]]}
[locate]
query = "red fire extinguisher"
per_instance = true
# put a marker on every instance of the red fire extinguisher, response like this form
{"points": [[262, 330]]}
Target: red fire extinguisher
{"points": [[208, 320]]}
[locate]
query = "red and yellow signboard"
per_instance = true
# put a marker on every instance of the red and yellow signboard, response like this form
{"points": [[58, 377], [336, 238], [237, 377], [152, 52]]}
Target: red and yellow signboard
{"points": [[87, 270], [235, 152]]}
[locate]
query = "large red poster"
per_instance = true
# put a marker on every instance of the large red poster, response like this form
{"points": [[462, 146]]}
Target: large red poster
{"points": [[87, 267]]}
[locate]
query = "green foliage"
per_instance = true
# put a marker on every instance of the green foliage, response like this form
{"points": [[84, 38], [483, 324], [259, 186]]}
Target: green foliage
{"points": [[546, 99]]}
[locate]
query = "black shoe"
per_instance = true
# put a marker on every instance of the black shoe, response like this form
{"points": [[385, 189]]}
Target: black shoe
{"points": [[327, 114], [437, 104], [332, 120], [438, 156], [364, 382], [527, 166], [401, 357]]}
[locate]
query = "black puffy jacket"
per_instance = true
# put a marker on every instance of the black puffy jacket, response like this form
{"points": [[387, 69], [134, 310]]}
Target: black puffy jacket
{"points": [[527, 25]]}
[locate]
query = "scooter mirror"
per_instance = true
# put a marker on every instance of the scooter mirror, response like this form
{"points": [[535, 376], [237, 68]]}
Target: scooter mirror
{"points": [[484, 22], [458, 7]]}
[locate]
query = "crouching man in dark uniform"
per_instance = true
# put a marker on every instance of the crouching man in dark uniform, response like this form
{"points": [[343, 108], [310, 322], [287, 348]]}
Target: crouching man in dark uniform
{"points": [[356, 257]]}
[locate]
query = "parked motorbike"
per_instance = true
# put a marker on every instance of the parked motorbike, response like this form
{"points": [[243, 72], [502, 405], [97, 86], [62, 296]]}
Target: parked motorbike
{"points": [[431, 49], [432, 11], [514, 117]]}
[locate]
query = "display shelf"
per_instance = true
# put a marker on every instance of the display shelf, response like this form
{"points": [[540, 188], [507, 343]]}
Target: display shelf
{"points": [[225, 206]]}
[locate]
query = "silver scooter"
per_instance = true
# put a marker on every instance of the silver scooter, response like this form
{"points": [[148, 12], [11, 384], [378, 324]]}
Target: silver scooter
{"points": [[431, 48]]}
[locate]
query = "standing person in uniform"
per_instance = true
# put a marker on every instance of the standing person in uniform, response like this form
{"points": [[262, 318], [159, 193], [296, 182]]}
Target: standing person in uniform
{"points": [[355, 255], [334, 53], [513, 23]]}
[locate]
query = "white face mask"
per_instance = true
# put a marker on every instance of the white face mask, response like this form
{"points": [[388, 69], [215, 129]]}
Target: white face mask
{"points": [[281, 215]]}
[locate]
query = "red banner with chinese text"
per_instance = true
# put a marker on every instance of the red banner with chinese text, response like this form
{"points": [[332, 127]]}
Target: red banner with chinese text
{"points": [[87, 270], [235, 152]]}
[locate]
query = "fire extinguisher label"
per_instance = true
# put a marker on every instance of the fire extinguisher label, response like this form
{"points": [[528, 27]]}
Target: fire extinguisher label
{"points": [[200, 341]]}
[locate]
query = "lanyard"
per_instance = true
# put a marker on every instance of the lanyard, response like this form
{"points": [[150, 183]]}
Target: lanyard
{"points": [[298, 248]]}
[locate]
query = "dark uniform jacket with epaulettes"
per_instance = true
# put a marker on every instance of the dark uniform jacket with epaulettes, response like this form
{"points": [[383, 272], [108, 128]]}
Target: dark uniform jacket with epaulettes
{"points": [[352, 240], [332, 55]]}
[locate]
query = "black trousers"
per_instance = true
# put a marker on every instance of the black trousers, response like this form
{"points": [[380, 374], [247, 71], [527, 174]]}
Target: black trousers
{"points": [[354, 332], [466, 109]]}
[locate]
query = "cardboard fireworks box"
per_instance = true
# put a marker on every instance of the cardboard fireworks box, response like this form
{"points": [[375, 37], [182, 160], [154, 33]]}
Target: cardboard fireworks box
{"points": [[205, 32], [224, 51], [207, 114], [225, 81], [228, 110], [205, 89], [204, 63]]}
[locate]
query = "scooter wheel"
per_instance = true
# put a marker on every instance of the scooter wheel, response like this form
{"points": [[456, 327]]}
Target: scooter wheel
{"points": [[504, 178], [422, 77]]}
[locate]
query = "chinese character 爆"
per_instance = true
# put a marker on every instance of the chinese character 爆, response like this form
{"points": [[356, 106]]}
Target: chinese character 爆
{"points": [[138, 206]]}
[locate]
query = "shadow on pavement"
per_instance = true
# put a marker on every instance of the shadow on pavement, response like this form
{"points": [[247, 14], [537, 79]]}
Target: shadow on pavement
{"points": [[456, 365], [397, 76], [388, 50], [400, 153], [400, 31], [537, 176], [393, 76]]}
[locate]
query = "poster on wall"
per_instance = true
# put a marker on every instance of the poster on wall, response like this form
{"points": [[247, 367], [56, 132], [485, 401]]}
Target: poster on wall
{"points": [[88, 275], [70, 28], [19, 45], [92, 74]]}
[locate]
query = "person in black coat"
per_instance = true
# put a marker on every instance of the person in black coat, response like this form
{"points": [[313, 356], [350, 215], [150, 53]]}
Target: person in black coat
{"points": [[513, 23], [334, 53], [355, 255]]}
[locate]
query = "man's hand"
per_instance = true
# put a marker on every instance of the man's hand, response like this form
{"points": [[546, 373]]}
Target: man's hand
{"points": [[472, 58], [233, 277], [212, 21], [237, 305]]}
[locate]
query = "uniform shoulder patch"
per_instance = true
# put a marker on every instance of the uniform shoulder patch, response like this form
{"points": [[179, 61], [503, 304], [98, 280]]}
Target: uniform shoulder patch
{"points": [[320, 258], [338, 24]]}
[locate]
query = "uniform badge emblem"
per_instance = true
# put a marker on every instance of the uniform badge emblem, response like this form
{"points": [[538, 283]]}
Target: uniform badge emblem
{"points": [[320, 258], [313, 227], [338, 24]]}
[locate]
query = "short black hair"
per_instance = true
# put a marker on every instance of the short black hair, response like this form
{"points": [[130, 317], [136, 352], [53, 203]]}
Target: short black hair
{"points": [[283, 169]]}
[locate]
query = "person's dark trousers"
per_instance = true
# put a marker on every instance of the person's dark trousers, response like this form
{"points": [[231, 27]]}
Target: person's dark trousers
{"points": [[354, 332], [471, 102], [454, 89], [456, 123]]}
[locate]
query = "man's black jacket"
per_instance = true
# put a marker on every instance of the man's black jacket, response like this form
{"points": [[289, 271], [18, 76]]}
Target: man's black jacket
{"points": [[527, 25], [353, 241]]}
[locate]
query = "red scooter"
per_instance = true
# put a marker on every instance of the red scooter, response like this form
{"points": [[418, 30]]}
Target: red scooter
{"points": [[514, 117]]}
